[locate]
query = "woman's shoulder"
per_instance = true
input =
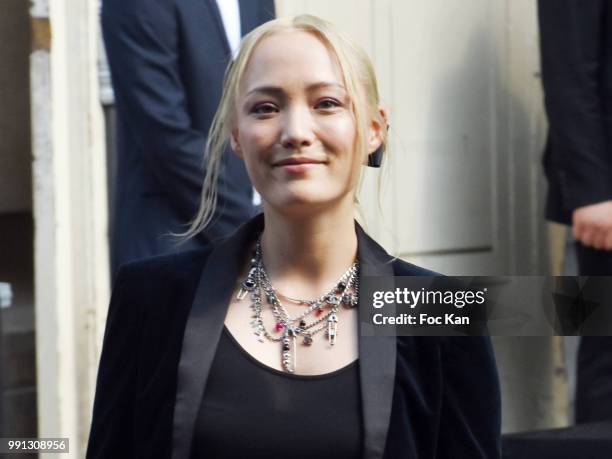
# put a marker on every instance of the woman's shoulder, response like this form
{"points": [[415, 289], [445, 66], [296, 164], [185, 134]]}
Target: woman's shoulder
{"points": [[162, 270], [449, 348], [404, 268], [161, 287], [450, 345]]}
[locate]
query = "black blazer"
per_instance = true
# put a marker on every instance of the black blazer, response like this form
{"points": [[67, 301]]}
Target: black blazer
{"points": [[576, 49], [422, 397], [167, 59]]}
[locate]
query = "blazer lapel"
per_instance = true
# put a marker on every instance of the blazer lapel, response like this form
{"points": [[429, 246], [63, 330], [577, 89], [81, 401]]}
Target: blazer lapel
{"points": [[203, 331], [254, 13], [216, 15], [248, 16], [377, 354]]}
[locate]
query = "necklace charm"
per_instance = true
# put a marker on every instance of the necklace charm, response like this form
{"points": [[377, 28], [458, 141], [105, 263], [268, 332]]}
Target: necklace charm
{"points": [[332, 299], [349, 300], [258, 328], [242, 294], [248, 285], [289, 354], [332, 328]]}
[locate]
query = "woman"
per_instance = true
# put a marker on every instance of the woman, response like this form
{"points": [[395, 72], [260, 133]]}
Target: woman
{"points": [[252, 348]]}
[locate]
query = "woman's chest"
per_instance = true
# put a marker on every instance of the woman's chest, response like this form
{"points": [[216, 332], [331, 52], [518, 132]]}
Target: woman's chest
{"points": [[265, 337], [276, 414]]}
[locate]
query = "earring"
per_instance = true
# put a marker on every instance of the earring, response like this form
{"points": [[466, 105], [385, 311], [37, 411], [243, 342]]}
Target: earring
{"points": [[375, 158]]}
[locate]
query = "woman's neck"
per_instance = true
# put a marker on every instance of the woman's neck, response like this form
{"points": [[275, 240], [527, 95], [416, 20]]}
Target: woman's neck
{"points": [[306, 256]]}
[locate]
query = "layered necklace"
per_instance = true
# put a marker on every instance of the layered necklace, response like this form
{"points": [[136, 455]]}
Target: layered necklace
{"points": [[319, 315]]}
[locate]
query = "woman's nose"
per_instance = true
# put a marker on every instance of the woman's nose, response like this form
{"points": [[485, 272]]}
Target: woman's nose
{"points": [[297, 129]]}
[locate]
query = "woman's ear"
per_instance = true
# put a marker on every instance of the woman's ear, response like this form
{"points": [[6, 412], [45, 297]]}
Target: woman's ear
{"points": [[234, 143], [378, 130], [376, 139]]}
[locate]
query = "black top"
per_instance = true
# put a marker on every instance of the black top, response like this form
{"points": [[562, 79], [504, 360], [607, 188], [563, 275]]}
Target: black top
{"points": [[252, 410]]}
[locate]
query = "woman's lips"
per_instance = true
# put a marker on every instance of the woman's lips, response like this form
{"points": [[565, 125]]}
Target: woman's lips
{"points": [[297, 168], [297, 165]]}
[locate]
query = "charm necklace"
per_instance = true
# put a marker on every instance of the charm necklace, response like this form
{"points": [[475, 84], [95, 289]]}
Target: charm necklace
{"points": [[287, 328]]}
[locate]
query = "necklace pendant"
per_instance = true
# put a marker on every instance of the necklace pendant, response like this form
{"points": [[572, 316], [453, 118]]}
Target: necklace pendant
{"points": [[289, 353], [307, 340], [258, 329], [349, 300], [332, 299], [247, 286], [332, 328]]}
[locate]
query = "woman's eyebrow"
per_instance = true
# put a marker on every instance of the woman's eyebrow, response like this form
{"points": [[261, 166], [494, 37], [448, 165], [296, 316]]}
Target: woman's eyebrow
{"points": [[278, 91], [272, 90], [324, 84]]}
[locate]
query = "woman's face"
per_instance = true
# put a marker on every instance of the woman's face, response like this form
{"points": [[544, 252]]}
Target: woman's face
{"points": [[294, 127]]}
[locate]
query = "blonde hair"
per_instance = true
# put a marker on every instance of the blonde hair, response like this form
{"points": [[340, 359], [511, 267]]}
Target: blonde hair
{"points": [[359, 81]]}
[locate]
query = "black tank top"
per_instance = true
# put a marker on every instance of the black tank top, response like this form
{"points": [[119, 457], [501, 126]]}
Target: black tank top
{"points": [[252, 410]]}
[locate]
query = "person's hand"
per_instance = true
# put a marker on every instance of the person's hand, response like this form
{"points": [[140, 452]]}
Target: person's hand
{"points": [[592, 225]]}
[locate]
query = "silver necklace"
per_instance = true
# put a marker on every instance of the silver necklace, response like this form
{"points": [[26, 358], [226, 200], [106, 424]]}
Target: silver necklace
{"points": [[287, 329]]}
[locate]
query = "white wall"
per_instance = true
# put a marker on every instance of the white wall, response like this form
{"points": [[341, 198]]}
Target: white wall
{"points": [[71, 249]]}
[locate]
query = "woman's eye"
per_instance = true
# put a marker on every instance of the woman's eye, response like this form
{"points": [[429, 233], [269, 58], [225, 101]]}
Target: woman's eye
{"points": [[327, 104], [264, 109]]}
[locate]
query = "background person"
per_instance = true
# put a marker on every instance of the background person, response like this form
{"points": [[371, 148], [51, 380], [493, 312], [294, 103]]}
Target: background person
{"points": [[576, 49], [167, 60]]}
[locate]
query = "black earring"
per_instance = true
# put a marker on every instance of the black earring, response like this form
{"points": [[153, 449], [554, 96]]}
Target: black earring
{"points": [[375, 158]]}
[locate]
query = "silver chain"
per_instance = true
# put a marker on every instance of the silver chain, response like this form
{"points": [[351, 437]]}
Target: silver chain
{"points": [[257, 284]]}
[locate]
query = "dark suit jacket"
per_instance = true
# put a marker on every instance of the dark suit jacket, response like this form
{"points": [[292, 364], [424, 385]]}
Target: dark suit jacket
{"points": [[576, 48], [422, 397], [167, 59]]}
